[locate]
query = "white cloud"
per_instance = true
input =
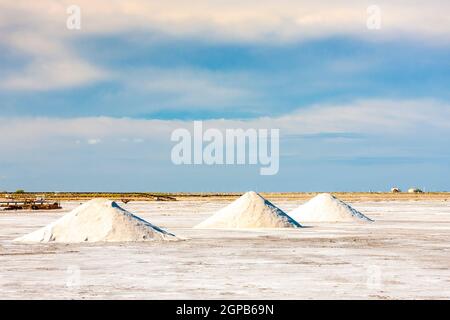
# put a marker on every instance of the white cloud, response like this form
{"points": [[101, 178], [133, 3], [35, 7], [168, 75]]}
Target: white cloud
{"points": [[189, 87], [46, 74], [380, 117], [415, 117], [252, 20], [94, 141], [32, 133], [38, 30], [50, 65]]}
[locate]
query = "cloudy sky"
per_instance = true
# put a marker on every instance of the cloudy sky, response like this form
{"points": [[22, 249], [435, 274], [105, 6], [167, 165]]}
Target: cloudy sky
{"points": [[93, 109]]}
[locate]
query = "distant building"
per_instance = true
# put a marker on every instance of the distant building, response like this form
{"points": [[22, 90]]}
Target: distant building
{"points": [[414, 190], [395, 190]]}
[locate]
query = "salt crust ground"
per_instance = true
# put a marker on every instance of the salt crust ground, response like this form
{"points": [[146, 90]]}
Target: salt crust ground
{"points": [[404, 254]]}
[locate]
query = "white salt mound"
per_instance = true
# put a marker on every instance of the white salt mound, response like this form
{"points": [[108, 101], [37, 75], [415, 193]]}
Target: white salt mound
{"points": [[326, 208], [249, 211], [98, 220]]}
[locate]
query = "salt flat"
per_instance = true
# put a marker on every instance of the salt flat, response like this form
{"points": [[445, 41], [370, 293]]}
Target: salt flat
{"points": [[404, 254]]}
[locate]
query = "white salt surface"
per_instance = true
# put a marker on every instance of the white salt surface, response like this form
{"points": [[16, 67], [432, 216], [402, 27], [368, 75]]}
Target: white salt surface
{"points": [[326, 208], [248, 212], [405, 254], [98, 220]]}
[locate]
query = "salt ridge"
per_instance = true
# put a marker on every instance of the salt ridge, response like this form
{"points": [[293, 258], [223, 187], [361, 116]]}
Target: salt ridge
{"points": [[248, 212], [95, 221], [327, 208]]}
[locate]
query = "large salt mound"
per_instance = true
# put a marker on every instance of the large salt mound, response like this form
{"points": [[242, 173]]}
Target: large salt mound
{"points": [[249, 211], [98, 220], [326, 208]]}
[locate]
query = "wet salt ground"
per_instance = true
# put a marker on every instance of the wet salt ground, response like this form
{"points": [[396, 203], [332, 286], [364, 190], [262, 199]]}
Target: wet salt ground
{"points": [[404, 254]]}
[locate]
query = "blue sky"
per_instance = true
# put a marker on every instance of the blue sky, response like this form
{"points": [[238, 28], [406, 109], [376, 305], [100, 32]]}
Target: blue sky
{"points": [[93, 109]]}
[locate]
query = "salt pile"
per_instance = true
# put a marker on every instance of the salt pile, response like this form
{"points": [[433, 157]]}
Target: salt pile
{"points": [[98, 220], [248, 212], [326, 208]]}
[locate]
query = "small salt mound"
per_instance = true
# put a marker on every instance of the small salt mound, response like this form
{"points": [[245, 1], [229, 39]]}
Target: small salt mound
{"points": [[249, 211], [326, 208], [98, 220]]}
